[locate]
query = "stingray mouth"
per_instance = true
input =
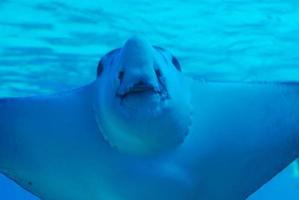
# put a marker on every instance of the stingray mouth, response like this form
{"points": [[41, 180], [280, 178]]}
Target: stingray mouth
{"points": [[142, 88]]}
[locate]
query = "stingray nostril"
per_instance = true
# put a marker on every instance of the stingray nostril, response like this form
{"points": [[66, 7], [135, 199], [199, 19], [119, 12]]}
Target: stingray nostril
{"points": [[176, 63], [121, 75], [158, 72]]}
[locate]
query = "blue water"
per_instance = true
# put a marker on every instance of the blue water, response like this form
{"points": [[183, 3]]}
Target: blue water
{"points": [[55, 45]]}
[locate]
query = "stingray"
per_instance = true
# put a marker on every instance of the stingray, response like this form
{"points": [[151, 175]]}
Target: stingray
{"points": [[144, 130]]}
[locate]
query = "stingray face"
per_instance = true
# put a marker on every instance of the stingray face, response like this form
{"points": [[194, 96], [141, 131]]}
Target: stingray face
{"points": [[139, 72], [141, 98]]}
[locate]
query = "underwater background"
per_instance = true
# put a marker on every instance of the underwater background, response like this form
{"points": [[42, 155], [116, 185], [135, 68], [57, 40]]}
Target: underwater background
{"points": [[49, 46]]}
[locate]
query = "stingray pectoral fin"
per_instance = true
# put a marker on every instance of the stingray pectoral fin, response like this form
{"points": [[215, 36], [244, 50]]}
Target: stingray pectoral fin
{"points": [[243, 133], [6, 134], [35, 128]]}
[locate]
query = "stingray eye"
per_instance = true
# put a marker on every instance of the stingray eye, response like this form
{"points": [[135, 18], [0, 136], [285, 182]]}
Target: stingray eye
{"points": [[121, 75], [176, 63], [100, 68]]}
